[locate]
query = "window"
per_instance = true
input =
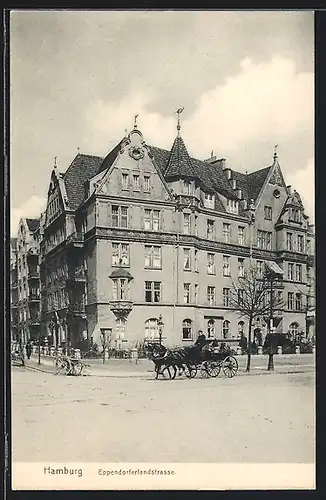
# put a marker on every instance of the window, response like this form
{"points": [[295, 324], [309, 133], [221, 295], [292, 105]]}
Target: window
{"points": [[152, 291], [226, 266], [290, 300], [298, 301], [186, 293], [119, 216], [186, 259], [196, 293], [295, 215], [289, 243], [152, 220], [240, 297], [226, 329], [125, 181], [187, 329], [226, 297], [186, 223], [226, 233], [151, 328], [196, 261], [211, 295], [210, 229], [186, 187], [136, 183], [210, 263], [211, 329], [290, 271], [153, 257], [146, 183], [240, 235], [264, 240], [120, 254], [209, 200], [298, 272], [260, 268], [232, 206], [268, 213], [300, 243], [119, 289], [241, 268], [293, 330]]}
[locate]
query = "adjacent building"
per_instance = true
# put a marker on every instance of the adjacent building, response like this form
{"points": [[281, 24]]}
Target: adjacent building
{"points": [[145, 236], [25, 281]]}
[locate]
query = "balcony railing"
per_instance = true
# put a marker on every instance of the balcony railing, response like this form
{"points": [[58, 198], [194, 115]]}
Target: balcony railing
{"points": [[33, 274], [34, 297], [76, 239]]}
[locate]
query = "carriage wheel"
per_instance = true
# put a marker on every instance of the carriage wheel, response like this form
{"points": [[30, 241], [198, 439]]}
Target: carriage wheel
{"points": [[213, 369], [230, 366], [61, 368], [191, 371], [78, 368], [204, 372]]}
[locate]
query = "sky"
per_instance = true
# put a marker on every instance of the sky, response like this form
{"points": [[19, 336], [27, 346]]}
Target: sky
{"points": [[245, 80]]}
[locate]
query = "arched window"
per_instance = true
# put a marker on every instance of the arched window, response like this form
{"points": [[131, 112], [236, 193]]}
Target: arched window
{"points": [[187, 329], [211, 329], [226, 329], [241, 327], [293, 330], [151, 328]]}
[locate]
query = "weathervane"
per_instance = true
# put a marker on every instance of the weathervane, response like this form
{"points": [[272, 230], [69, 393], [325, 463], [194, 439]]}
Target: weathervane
{"points": [[135, 120], [275, 151], [55, 161], [179, 111]]}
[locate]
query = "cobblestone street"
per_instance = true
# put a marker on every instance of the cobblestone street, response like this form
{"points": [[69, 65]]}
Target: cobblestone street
{"points": [[245, 419]]}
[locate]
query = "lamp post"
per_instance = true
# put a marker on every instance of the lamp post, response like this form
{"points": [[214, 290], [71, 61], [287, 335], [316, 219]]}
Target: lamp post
{"points": [[160, 324], [104, 335]]}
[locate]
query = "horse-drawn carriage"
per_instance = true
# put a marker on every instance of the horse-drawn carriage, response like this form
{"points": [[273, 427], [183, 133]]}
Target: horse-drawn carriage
{"points": [[208, 358]]}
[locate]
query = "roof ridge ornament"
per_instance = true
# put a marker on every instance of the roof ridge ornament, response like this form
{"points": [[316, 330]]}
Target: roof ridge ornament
{"points": [[275, 156], [135, 121], [179, 111]]}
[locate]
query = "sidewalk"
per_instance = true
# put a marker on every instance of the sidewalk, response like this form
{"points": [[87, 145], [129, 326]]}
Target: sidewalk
{"points": [[117, 368]]}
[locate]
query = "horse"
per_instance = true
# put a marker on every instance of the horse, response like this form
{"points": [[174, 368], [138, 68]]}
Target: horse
{"points": [[163, 357]]}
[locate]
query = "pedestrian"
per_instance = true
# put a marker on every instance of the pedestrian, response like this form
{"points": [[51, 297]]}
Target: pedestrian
{"points": [[200, 339], [28, 349]]}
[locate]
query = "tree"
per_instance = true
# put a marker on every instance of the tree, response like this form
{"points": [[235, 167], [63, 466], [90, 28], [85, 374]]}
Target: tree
{"points": [[251, 296]]}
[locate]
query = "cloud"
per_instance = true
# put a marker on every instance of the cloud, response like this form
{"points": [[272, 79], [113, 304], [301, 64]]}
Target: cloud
{"points": [[264, 104], [303, 181], [31, 208]]}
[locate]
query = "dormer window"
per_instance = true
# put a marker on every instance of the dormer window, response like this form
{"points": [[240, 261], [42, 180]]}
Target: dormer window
{"points": [[187, 188], [232, 206], [209, 200], [295, 215]]}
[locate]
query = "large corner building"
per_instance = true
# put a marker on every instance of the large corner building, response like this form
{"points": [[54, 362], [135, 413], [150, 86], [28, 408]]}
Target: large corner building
{"points": [[145, 233]]}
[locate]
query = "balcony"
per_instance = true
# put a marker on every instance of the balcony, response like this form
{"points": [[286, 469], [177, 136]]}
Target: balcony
{"points": [[77, 276], [121, 308], [34, 297], [33, 274], [75, 240], [186, 201]]}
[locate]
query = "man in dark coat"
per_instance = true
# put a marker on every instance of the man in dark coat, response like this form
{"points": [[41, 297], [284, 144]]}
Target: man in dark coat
{"points": [[28, 349]]}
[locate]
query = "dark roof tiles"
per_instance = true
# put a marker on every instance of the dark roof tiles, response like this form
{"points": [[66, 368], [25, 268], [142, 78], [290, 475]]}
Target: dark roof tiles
{"points": [[82, 168], [33, 224]]}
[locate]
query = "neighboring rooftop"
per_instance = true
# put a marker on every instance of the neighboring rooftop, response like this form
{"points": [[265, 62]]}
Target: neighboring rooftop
{"points": [[33, 224]]}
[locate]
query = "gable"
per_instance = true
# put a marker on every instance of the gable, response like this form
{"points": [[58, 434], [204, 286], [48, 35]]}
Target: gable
{"points": [[55, 203], [276, 177], [134, 173]]}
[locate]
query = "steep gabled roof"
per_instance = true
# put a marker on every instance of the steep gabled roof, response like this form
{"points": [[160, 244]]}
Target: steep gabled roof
{"points": [[179, 162], [109, 159], [33, 224], [82, 168]]}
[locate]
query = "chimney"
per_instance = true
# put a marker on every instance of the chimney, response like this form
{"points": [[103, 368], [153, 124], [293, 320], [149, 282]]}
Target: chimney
{"points": [[228, 173], [223, 162], [289, 189], [234, 184], [212, 159]]}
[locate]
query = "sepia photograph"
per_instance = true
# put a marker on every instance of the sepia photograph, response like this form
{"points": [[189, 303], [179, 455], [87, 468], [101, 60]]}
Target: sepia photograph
{"points": [[162, 250]]}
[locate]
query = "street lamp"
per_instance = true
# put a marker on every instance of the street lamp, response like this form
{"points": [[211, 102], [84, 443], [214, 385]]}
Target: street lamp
{"points": [[160, 324], [104, 337]]}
